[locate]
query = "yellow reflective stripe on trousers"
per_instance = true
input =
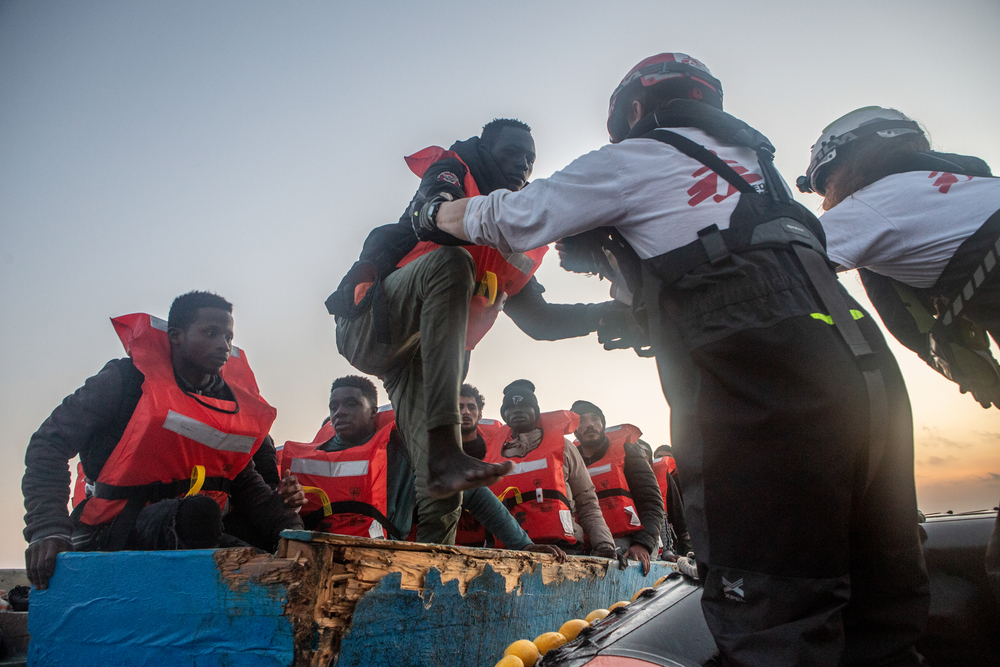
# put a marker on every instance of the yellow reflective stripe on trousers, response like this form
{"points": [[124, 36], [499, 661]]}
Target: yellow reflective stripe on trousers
{"points": [[856, 314]]}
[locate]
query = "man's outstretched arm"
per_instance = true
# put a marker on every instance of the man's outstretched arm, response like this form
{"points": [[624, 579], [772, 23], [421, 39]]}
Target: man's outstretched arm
{"points": [[555, 321]]}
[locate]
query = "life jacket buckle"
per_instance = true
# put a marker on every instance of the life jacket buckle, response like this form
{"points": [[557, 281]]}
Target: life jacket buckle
{"points": [[488, 287], [715, 246]]}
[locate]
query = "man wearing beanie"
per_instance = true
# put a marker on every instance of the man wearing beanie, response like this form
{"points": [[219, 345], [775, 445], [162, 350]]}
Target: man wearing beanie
{"points": [[549, 483], [626, 486]]}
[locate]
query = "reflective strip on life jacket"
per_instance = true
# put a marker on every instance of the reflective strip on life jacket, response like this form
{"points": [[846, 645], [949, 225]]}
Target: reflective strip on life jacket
{"points": [[535, 492], [206, 435], [329, 468]]}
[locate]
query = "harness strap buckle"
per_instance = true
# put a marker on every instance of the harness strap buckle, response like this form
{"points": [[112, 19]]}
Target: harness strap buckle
{"points": [[715, 246]]}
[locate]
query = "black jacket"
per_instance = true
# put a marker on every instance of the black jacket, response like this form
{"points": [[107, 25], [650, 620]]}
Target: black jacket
{"points": [[90, 422], [645, 492]]}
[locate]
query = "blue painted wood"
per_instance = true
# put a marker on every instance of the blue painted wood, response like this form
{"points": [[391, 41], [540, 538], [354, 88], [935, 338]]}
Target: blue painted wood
{"points": [[155, 608], [440, 626]]}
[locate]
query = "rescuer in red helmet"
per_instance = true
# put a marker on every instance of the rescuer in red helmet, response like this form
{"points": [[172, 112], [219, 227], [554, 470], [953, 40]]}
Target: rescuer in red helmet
{"points": [[790, 421]]}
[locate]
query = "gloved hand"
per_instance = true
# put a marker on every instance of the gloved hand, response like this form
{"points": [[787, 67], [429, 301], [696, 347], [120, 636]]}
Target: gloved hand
{"points": [[423, 217], [617, 328], [443, 181]]}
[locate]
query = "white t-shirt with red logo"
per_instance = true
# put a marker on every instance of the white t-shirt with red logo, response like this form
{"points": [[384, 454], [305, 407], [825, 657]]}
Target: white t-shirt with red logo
{"points": [[907, 226], [656, 196]]}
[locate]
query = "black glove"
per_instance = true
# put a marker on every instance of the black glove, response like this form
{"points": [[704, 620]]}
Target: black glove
{"points": [[440, 183], [617, 328]]}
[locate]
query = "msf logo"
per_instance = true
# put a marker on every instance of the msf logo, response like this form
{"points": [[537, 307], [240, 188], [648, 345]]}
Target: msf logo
{"points": [[733, 590]]}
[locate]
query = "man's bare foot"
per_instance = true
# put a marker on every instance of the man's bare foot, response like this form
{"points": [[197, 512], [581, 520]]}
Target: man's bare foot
{"points": [[458, 472]]}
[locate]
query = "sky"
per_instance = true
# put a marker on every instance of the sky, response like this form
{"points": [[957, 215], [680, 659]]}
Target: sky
{"points": [[247, 148]]}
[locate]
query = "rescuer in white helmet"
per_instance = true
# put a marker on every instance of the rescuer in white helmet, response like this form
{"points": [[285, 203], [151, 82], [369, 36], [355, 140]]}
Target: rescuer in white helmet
{"points": [[922, 228], [790, 422]]}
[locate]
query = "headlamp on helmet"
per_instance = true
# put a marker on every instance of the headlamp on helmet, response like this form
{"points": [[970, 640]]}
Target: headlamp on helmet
{"points": [[651, 71], [858, 124]]}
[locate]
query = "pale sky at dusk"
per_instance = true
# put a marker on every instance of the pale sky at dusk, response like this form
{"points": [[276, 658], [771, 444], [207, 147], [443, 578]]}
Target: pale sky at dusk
{"points": [[247, 148]]}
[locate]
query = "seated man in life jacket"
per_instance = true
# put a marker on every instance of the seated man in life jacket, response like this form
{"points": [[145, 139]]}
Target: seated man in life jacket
{"points": [[475, 432], [549, 483], [167, 435], [674, 536], [409, 312], [359, 481], [626, 487]]}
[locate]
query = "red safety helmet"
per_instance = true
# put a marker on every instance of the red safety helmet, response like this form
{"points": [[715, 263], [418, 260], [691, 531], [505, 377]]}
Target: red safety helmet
{"points": [[651, 71]]}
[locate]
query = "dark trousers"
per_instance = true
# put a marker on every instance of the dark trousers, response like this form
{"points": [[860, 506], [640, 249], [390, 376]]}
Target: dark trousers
{"points": [[803, 563]]}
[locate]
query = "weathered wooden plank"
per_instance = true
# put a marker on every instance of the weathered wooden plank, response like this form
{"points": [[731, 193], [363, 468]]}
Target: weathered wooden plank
{"points": [[328, 600], [411, 605]]}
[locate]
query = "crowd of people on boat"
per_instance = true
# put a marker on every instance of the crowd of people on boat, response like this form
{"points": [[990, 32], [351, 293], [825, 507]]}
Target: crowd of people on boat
{"points": [[790, 476]]}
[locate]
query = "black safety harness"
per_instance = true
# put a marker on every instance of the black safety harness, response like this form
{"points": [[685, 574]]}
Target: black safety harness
{"points": [[779, 232]]}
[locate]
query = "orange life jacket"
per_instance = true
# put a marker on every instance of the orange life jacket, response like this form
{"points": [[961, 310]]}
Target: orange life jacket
{"points": [[176, 443], [535, 492], [663, 467], [470, 532], [608, 476], [80, 486], [345, 490], [497, 277]]}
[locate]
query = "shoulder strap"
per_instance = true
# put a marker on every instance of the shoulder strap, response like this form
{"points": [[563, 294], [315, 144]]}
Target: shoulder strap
{"points": [[698, 152]]}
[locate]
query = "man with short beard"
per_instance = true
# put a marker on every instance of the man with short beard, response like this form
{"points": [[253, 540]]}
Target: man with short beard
{"points": [[626, 487]]}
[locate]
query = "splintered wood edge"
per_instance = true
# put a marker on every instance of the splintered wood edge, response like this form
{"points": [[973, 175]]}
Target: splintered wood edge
{"points": [[343, 569]]}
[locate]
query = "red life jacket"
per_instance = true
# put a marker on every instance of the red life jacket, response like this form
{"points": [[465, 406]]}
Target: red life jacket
{"points": [[535, 492], [663, 467], [345, 490], [496, 277], [608, 476], [80, 486], [470, 532], [176, 443]]}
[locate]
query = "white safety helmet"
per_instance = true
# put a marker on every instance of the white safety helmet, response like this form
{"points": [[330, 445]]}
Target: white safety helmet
{"points": [[857, 124]]}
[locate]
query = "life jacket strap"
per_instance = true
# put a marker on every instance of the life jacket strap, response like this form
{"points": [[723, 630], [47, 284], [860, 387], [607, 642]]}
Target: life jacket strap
{"points": [[357, 507], [510, 502], [157, 491], [608, 493]]}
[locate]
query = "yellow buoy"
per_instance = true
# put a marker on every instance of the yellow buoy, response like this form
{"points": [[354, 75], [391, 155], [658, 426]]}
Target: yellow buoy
{"points": [[548, 641], [596, 615], [525, 650], [570, 629], [510, 661], [620, 603], [639, 592], [661, 579]]}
